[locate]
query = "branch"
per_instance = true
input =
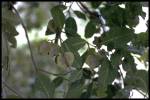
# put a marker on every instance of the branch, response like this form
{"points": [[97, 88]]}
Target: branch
{"points": [[93, 14], [33, 61], [12, 90]]}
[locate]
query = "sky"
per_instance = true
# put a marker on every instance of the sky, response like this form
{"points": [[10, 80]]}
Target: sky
{"points": [[21, 38]]}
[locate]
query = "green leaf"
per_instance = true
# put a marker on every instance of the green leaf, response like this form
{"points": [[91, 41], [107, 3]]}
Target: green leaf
{"points": [[75, 75], [90, 29], [80, 15], [73, 44], [9, 28], [51, 28], [10, 16], [70, 27], [96, 4], [57, 81], [106, 74], [117, 15], [117, 36], [75, 89], [128, 63], [58, 17], [123, 93], [13, 41], [141, 40], [45, 85], [88, 52], [139, 80]]}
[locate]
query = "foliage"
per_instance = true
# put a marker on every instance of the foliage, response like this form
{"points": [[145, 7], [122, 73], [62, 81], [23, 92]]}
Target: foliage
{"points": [[65, 76]]}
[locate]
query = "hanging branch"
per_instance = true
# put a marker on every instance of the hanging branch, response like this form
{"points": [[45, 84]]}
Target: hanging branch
{"points": [[23, 25]]}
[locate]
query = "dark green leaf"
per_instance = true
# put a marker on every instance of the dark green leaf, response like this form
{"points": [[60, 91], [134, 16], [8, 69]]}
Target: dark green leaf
{"points": [[58, 17], [75, 89], [123, 93], [10, 16], [117, 36], [96, 4], [44, 85], [141, 40], [8, 27], [90, 29], [128, 63], [106, 74], [70, 27], [139, 80], [51, 28], [74, 43], [80, 15], [57, 81]]}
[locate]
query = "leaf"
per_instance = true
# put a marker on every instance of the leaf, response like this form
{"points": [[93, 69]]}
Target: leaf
{"points": [[49, 48], [75, 75], [141, 40], [90, 29], [13, 41], [44, 84], [57, 81], [88, 52], [80, 15], [70, 27], [10, 16], [73, 44], [128, 63], [58, 17], [123, 93], [139, 80], [117, 36], [93, 61], [8, 28], [117, 15], [96, 4], [51, 28], [106, 74], [75, 89], [65, 60]]}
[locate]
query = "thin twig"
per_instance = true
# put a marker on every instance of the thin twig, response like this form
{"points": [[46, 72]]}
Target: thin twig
{"points": [[33, 61], [14, 91]]}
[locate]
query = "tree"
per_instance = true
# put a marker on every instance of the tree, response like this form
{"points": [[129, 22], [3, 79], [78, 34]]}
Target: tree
{"points": [[72, 79]]}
